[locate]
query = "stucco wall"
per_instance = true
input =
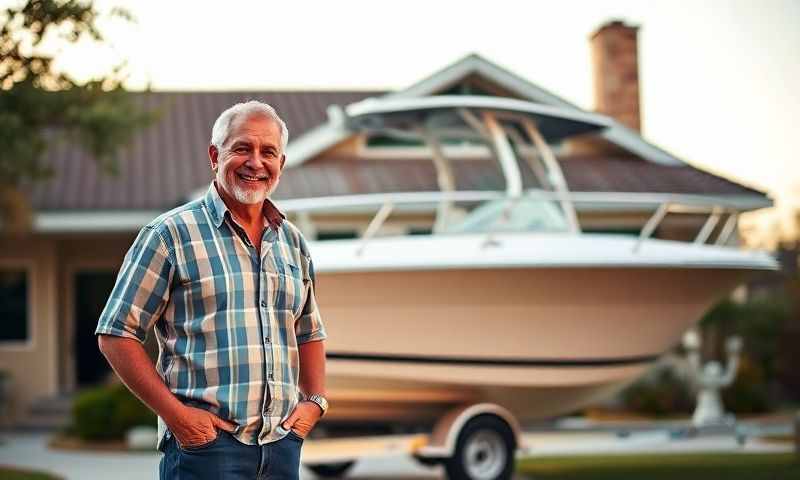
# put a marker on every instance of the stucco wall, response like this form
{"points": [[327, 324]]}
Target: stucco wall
{"points": [[32, 365]]}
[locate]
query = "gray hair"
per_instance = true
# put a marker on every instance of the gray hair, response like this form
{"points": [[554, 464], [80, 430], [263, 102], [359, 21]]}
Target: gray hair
{"points": [[222, 126]]}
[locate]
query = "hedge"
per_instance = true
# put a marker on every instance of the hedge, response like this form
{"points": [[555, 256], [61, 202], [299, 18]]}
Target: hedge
{"points": [[106, 413]]}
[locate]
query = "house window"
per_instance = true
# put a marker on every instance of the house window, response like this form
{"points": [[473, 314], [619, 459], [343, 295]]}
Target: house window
{"points": [[13, 305]]}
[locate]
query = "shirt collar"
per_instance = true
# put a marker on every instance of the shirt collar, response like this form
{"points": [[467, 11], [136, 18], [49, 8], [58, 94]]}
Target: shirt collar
{"points": [[217, 209]]}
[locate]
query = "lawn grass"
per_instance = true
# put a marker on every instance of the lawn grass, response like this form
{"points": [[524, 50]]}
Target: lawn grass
{"points": [[662, 467], [8, 473]]}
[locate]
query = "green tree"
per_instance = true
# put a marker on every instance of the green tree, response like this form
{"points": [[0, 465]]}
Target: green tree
{"points": [[40, 105]]}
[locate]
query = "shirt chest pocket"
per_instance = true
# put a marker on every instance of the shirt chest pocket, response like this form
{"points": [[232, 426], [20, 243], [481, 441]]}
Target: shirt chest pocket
{"points": [[290, 288]]}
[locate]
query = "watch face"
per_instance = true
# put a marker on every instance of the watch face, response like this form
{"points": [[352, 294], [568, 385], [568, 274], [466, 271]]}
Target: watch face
{"points": [[321, 401]]}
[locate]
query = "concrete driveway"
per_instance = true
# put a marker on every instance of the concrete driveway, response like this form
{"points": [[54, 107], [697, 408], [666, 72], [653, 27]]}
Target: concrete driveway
{"points": [[29, 450]]}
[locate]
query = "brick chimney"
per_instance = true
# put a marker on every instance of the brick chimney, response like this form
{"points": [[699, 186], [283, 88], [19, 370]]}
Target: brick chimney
{"points": [[616, 72]]}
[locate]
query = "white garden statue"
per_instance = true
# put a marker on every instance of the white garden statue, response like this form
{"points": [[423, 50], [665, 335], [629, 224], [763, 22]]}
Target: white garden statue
{"points": [[710, 378]]}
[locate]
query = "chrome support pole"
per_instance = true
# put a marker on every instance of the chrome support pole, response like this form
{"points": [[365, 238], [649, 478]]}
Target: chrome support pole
{"points": [[708, 226], [727, 229], [306, 225], [651, 225], [473, 121], [533, 158], [505, 155], [554, 174], [375, 225], [444, 178]]}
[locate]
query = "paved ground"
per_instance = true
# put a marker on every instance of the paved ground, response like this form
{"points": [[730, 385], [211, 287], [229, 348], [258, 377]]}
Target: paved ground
{"points": [[29, 450]]}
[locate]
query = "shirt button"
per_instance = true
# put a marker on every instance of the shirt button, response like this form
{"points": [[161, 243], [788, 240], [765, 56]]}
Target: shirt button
{"points": [[266, 339], [263, 303]]}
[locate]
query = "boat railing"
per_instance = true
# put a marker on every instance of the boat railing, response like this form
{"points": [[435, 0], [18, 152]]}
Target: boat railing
{"points": [[716, 209], [715, 214]]}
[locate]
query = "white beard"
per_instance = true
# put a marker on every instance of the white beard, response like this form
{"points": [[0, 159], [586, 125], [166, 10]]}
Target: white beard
{"points": [[245, 195], [248, 195]]}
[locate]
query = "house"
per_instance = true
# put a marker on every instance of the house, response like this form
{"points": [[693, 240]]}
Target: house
{"points": [[55, 280]]}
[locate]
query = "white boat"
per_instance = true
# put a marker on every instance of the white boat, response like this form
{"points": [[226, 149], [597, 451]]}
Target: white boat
{"points": [[507, 302]]}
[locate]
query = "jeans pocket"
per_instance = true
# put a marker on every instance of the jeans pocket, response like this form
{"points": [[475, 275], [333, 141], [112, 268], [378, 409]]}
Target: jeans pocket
{"points": [[202, 446], [288, 433], [294, 436]]}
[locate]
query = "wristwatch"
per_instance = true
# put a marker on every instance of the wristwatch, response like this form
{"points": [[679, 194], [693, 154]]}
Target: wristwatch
{"points": [[321, 402]]}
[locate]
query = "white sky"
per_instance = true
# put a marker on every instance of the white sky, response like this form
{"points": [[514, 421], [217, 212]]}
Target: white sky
{"points": [[720, 79]]}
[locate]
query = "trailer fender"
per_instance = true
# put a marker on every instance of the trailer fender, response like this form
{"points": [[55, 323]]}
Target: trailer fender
{"points": [[442, 442]]}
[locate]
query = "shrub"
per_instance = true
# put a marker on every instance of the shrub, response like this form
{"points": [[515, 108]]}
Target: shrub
{"points": [[760, 322], [106, 413], [764, 324], [748, 394], [662, 392]]}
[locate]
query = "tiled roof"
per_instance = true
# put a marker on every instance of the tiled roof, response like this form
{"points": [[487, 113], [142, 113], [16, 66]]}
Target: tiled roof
{"points": [[168, 161], [628, 174], [583, 174]]}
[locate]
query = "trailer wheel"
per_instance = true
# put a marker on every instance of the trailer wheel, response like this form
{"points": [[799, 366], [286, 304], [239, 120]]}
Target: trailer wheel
{"points": [[484, 451], [331, 470]]}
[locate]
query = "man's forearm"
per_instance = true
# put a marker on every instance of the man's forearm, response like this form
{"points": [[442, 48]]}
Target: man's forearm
{"points": [[312, 368], [129, 360], [312, 380]]}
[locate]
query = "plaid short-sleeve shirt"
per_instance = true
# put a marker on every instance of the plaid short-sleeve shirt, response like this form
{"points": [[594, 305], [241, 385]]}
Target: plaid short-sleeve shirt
{"points": [[228, 321]]}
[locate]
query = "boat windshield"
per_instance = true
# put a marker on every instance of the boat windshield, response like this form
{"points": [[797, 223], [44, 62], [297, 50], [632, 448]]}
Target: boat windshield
{"points": [[513, 215]]}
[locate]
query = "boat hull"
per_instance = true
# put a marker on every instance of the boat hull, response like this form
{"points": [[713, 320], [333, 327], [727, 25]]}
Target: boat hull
{"points": [[407, 345]]}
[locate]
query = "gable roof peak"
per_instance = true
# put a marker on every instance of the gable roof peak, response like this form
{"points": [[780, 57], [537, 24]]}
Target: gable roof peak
{"points": [[329, 133], [474, 63]]}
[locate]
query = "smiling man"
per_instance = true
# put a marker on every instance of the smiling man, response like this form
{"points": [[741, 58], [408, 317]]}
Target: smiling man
{"points": [[227, 284]]}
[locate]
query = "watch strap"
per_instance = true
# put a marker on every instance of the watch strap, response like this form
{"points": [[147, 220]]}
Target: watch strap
{"points": [[320, 400]]}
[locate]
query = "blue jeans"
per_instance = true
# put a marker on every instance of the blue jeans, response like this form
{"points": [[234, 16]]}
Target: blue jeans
{"points": [[228, 459]]}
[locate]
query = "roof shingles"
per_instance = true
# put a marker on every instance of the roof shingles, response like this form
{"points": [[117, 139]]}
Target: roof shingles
{"points": [[167, 162]]}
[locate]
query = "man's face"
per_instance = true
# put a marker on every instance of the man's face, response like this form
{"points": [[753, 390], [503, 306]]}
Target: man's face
{"points": [[249, 164]]}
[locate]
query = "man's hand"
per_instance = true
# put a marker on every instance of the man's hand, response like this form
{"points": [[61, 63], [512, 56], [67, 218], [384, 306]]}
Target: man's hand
{"points": [[305, 415], [191, 426], [194, 426]]}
